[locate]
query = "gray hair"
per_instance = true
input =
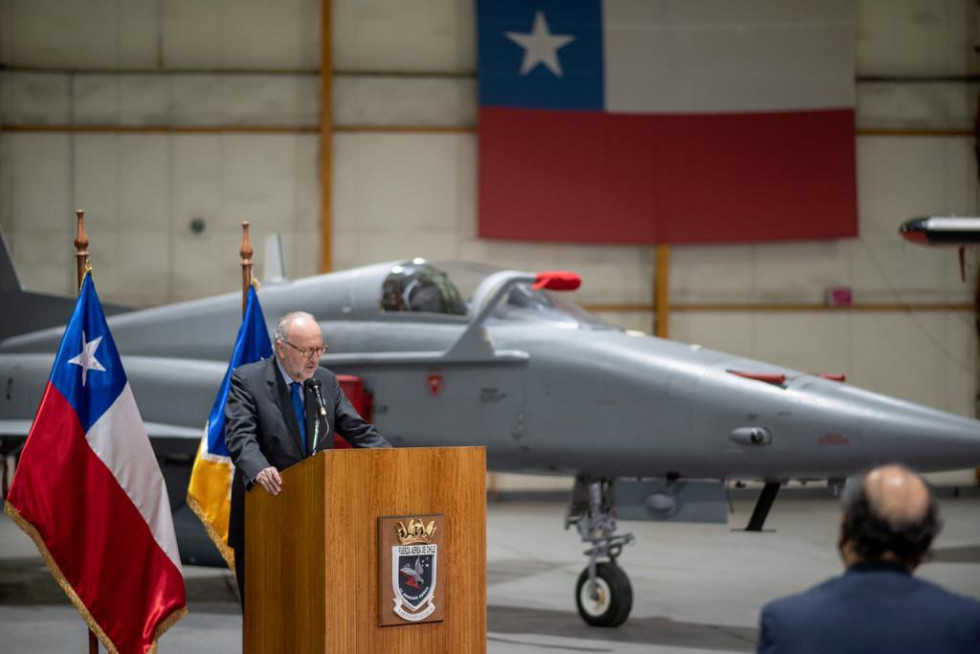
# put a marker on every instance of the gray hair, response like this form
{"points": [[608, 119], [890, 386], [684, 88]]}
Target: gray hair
{"points": [[282, 329]]}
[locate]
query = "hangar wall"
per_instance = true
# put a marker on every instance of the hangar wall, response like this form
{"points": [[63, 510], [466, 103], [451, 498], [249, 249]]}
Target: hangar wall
{"points": [[122, 108]]}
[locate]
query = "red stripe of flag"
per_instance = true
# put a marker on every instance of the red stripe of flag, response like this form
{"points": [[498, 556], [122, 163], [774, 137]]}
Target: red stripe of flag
{"points": [[666, 178], [93, 531]]}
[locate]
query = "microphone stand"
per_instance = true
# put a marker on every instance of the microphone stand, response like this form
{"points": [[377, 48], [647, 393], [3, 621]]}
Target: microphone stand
{"points": [[314, 385]]}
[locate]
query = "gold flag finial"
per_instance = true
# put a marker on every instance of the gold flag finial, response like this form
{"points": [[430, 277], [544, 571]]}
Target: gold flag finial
{"points": [[83, 265], [246, 254]]}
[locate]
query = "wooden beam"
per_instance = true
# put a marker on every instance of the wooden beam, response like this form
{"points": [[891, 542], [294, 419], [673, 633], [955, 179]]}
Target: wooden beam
{"points": [[165, 129], [814, 307], [661, 292], [326, 135], [913, 132], [405, 129], [382, 129], [239, 129]]}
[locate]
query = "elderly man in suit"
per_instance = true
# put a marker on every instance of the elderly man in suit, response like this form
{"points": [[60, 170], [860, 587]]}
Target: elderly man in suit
{"points": [[274, 419], [890, 520]]}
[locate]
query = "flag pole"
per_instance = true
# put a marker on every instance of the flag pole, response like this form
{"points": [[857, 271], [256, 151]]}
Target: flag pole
{"points": [[661, 292], [246, 254], [82, 265], [81, 247]]}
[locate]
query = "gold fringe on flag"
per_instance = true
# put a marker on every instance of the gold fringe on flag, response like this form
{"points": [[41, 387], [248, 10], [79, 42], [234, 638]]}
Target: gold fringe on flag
{"points": [[226, 552], [198, 486], [29, 529]]}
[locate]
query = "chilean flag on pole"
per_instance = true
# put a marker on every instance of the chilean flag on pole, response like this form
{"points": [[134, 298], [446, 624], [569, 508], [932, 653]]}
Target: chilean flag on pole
{"points": [[667, 121], [89, 491]]}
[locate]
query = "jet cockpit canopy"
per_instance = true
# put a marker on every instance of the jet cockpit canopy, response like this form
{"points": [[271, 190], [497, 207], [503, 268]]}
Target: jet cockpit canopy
{"points": [[447, 287], [419, 286]]}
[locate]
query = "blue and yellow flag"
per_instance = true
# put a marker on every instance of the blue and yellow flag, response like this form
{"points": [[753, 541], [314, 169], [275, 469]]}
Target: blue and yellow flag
{"points": [[209, 491]]}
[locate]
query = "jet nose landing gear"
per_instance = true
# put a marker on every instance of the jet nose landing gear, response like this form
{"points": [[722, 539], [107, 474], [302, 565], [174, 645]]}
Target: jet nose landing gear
{"points": [[606, 601], [603, 594]]}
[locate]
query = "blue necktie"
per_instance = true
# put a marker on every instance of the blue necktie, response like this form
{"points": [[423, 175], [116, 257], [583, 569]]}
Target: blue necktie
{"points": [[298, 408]]}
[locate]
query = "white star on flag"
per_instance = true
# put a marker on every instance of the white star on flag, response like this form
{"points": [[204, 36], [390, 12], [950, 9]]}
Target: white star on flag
{"points": [[540, 46], [86, 359]]}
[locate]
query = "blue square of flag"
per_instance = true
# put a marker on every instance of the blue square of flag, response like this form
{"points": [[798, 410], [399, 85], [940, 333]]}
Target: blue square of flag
{"points": [[541, 55]]}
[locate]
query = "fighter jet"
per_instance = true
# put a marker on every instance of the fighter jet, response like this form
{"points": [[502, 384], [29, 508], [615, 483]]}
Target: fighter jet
{"points": [[456, 354], [413, 575], [954, 231], [942, 230]]}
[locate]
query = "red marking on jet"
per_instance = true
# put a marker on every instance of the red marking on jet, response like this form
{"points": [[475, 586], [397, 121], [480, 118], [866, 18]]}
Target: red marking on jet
{"points": [[768, 378], [435, 384], [557, 280]]}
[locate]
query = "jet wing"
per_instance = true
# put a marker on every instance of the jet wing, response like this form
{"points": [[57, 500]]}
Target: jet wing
{"points": [[174, 396], [162, 430], [423, 358], [20, 428], [14, 427]]}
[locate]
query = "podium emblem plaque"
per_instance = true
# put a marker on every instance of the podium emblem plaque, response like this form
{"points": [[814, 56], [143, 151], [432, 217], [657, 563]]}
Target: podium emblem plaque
{"points": [[410, 549]]}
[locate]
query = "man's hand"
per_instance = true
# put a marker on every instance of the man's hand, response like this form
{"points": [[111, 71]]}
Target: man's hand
{"points": [[270, 480]]}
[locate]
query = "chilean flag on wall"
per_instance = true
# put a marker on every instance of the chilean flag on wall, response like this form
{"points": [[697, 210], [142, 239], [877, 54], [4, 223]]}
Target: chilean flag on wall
{"points": [[667, 121], [89, 491]]}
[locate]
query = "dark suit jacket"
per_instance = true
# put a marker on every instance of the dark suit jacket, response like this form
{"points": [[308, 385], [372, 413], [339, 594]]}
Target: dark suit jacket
{"points": [[261, 428], [873, 607]]}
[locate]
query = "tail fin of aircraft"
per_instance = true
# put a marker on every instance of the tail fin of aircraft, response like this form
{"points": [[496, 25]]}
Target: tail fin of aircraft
{"points": [[8, 274], [274, 266], [24, 311]]}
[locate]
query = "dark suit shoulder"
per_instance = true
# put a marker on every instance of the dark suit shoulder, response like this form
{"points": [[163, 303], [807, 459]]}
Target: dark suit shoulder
{"points": [[253, 371], [326, 375], [950, 604], [885, 586], [934, 589], [805, 600], [872, 611], [330, 384]]}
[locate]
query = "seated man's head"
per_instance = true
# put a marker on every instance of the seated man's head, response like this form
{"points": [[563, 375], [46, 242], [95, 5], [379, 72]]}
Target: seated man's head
{"points": [[889, 515], [299, 344]]}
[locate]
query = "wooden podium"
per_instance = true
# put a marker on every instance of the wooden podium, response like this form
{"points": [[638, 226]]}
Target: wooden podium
{"points": [[313, 562]]}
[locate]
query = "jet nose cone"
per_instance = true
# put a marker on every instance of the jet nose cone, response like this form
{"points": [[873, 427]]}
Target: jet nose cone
{"points": [[915, 230], [923, 438]]}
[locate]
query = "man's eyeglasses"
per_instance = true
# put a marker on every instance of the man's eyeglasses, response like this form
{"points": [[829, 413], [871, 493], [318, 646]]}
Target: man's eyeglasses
{"points": [[307, 352]]}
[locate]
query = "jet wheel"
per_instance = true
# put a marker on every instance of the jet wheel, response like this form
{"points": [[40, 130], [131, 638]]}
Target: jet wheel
{"points": [[608, 602]]}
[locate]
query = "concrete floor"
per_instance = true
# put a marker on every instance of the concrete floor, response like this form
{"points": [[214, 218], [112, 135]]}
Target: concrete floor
{"points": [[697, 588]]}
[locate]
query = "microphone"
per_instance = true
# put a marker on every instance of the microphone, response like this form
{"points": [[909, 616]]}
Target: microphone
{"points": [[314, 385]]}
